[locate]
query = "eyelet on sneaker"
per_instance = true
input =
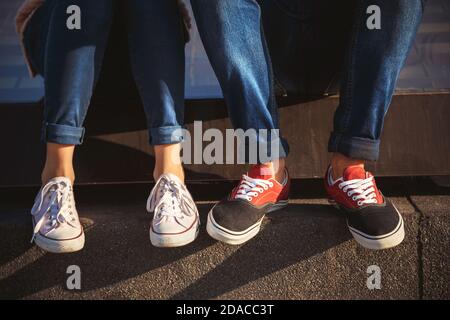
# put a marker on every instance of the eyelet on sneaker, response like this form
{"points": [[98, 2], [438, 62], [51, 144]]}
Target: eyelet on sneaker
{"points": [[354, 198], [271, 184], [359, 203]]}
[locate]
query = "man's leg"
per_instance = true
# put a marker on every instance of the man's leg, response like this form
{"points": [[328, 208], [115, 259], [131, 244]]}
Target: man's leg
{"points": [[374, 60], [232, 34]]}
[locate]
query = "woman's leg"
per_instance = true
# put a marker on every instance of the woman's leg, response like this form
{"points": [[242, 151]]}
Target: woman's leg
{"points": [[157, 57], [167, 160], [58, 162], [72, 62]]}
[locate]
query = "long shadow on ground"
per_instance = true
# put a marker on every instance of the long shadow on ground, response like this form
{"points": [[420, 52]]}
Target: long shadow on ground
{"points": [[118, 248]]}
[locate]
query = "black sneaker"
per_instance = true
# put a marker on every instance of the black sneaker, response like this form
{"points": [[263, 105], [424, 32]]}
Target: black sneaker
{"points": [[238, 218], [372, 219]]}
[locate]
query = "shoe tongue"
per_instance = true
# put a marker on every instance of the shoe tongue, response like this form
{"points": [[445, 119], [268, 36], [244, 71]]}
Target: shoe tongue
{"points": [[57, 181], [261, 171], [61, 179], [354, 172], [172, 177]]}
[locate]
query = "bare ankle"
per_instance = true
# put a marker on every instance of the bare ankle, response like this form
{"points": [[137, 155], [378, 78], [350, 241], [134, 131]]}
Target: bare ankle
{"points": [[48, 174], [340, 162], [278, 167], [58, 162], [280, 172], [177, 171], [168, 160]]}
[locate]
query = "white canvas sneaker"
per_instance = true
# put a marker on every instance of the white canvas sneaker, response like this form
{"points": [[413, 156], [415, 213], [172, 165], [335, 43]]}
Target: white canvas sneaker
{"points": [[175, 216], [57, 227]]}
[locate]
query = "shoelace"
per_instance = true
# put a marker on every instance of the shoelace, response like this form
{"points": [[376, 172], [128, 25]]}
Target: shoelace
{"points": [[57, 206], [361, 190], [250, 188], [172, 204]]}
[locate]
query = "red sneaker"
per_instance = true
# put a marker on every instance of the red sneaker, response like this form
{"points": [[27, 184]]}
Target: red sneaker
{"points": [[238, 218], [373, 220]]}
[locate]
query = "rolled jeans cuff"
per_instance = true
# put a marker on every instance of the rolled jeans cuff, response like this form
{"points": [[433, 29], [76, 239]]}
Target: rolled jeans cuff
{"points": [[166, 135], [282, 153], [354, 147], [62, 134]]}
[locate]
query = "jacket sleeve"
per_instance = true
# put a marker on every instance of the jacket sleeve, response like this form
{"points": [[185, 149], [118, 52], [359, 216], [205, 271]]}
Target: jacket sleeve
{"points": [[185, 14], [24, 12]]}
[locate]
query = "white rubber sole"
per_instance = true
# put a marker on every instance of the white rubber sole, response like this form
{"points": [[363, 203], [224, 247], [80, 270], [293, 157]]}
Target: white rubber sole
{"points": [[382, 242], [174, 240], [236, 238], [60, 246]]}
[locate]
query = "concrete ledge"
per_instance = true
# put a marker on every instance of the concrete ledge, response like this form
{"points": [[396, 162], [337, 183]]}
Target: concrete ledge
{"points": [[434, 243], [415, 128]]}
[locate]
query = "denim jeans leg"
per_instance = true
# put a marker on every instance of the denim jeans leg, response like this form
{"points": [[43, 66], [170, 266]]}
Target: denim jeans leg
{"points": [[374, 60], [156, 46], [72, 62], [234, 42]]}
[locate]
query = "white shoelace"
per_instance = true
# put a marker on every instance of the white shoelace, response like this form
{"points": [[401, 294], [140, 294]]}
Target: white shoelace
{"points": [[172, 204], [58, 206], [251, 187], [361, 190]]}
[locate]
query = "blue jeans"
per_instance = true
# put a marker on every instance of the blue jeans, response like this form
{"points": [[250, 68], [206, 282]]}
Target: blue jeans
{"points": [[370, 72], [232, 36], [231, 32], [70, 62]]}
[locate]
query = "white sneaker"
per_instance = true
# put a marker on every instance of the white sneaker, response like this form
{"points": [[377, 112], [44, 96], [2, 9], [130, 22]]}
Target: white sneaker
{"points": [[57, 227], [176, 220]]}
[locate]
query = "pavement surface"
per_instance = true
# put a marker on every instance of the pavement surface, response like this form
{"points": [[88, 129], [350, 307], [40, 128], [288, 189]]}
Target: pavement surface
{"points": [[303, 252]]}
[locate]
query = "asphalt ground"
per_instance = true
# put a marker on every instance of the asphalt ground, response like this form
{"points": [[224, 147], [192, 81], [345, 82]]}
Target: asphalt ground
{"points": [[302, 252]]}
